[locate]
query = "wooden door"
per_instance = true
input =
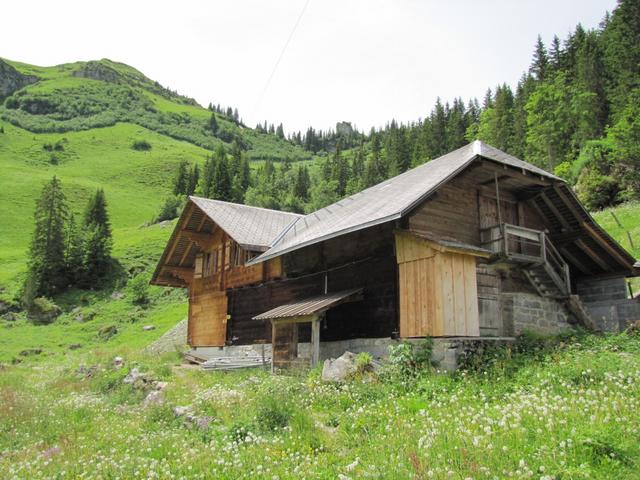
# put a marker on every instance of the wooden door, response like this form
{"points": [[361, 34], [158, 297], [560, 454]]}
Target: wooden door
{"points": [[438, 293], [488, 211], [207, 318]]}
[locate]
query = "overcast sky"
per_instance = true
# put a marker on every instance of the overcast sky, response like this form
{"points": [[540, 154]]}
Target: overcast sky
{"points": [[364, 61]]}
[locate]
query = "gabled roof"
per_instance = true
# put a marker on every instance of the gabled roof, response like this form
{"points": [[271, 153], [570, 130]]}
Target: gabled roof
{"points": [[388, 200], [253, 228]]}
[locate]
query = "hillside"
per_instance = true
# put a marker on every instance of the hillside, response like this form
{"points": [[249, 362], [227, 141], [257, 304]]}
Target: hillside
{"points": [[78, 121]]}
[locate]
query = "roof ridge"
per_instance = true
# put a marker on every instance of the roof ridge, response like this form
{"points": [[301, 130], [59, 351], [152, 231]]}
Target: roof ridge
{"points": [[243, 205]]}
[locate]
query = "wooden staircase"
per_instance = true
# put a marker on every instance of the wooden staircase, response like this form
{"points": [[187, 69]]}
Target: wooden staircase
{"points": [[541, 264]]}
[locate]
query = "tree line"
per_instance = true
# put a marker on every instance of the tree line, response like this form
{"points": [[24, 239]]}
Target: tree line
{"points": [[575, 112]]}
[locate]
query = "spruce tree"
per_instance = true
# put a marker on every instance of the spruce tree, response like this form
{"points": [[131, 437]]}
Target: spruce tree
{"points": [[181, 180], [207, 177], [213, 123], [74, 250], [194, 178], [540, 62], [98, 242], [221, 188], [47, 269]]}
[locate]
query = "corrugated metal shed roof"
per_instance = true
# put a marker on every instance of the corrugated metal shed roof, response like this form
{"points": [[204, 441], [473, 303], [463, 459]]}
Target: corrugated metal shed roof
{"points": [[253, 228], [308, 306], [388, 200]]}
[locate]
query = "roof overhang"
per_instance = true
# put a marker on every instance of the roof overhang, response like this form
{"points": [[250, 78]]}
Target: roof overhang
{"points": [[307, 309]]}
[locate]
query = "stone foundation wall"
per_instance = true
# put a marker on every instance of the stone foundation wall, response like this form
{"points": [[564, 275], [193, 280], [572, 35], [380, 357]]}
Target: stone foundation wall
{"points": [[529, 312], [377, 347], [607, 302]]}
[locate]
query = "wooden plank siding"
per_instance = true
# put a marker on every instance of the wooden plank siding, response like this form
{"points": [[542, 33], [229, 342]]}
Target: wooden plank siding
{"points": [[207, 324], [208, 299], [438, 290]]}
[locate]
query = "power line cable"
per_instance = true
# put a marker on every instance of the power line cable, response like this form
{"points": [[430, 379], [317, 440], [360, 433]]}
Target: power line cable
{"points": [[282, 52]]}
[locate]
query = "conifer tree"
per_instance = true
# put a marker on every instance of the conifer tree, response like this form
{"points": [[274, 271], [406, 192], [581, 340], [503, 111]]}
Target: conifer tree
{"points": [[194, 178], [221, 188], [540, 61], [74, 250], [46, 274], [213, 123], [302, 183], [98, 241], [181, 180]]}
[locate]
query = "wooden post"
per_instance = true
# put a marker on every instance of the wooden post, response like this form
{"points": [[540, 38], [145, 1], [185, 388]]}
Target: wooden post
{"points": [[495, 176], [315, 341], [273, 344], [543, 247]]}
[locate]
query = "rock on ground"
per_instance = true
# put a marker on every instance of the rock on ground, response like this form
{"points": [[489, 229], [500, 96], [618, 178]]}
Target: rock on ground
{"points": [[174, 340], [339, 369]]}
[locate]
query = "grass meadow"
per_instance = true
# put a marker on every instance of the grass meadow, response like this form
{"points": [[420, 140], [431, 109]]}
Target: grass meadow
{"points": [[561, 409]]}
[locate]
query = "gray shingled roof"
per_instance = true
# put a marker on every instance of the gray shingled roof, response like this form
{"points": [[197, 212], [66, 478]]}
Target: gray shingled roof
{"points": [[388, 200], [253, 228]]}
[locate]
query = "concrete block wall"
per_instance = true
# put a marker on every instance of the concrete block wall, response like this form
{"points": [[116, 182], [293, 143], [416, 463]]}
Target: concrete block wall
{"points": [[530, 312], [607, 302]]}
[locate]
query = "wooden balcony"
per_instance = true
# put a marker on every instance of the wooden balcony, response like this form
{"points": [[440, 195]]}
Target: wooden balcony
{"points": [[533, 250]]}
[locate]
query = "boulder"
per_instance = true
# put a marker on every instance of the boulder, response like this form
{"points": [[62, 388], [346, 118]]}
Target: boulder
{"points": [[154, 397], [137, 379], [43, 311], [75, 346], [160, 386], [117, 295], [105, 333], [30, 351], [182, 411], [118, 362], [147, 328], [339, 369]]}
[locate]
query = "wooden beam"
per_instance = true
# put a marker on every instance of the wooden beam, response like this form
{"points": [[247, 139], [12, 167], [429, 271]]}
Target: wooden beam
{"points": [[554, 210], [315, 342], [203, 240], [569, 256], [604, 244], [515, 173], [183, 273], [593, 255], [567, 237], [181, 226], [188, 249], [492, 180], [563, 196]]}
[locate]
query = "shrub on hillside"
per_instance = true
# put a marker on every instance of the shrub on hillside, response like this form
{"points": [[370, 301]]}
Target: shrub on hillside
{"points": [[138, 287], [43, 311], [273, 414], [595, 190], [169, 209], [141, 145]]}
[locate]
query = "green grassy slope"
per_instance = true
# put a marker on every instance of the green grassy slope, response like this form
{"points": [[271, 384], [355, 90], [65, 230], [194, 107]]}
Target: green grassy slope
{"points": [[135, 182], [568, 411]]}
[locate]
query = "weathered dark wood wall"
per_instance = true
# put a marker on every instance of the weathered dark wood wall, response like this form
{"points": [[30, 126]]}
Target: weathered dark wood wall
{"points": [[361, 259]]}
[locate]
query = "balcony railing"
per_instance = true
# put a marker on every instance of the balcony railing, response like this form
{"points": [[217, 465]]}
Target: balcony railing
{"points": [[527, 246]]}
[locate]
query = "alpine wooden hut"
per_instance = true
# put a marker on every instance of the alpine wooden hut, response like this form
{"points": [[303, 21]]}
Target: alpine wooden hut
{"points": [[474, 244]]}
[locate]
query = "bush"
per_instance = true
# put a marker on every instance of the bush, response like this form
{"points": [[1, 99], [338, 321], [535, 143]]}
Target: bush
{"points": [[364, 361], [408, 359], [595, 190], [139, 288], [273, 413], [43, 311], [141, 145], [169, 209]]}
